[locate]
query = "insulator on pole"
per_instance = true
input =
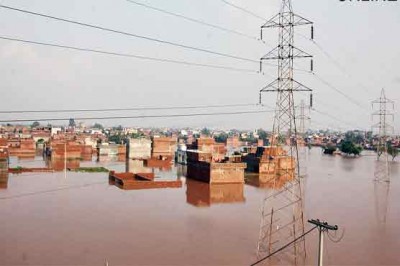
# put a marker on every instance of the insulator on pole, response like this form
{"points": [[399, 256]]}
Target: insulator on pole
{"points": [[261, 35], [311, 100], [312, 65], [312, 32], [260, 66], [259, 100]]}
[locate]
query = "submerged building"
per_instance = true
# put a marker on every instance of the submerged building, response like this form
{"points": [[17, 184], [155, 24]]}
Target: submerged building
{"points": [[204, 167], [271, 163]]}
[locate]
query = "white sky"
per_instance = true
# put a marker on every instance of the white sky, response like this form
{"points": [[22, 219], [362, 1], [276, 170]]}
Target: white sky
{"points": [[361, 36]]}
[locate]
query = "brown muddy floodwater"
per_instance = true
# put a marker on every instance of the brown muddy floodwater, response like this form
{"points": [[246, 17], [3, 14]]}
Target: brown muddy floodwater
{"points": [[47, 219]]}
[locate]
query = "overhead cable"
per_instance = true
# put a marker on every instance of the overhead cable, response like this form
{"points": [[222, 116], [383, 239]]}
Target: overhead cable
{"points": [[164, 60], [355, 102], [129, 34], [201, 22], [134, 117], [125, 109], [243, 10], [285, 246]]}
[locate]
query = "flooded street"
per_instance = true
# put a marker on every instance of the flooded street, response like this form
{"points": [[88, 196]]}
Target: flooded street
{"points": [[47, 219]]}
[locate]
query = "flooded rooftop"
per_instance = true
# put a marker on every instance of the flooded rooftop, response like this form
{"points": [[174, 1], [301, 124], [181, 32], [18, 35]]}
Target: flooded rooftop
{"points": [[80, 219]]}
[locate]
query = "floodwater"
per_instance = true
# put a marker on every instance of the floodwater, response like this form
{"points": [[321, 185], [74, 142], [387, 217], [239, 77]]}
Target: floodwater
{"points": [[79, 219]]}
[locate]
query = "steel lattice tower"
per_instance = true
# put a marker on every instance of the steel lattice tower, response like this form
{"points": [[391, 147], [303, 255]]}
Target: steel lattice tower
{"points": [[384, 129], [303, 117], [282, 211]]}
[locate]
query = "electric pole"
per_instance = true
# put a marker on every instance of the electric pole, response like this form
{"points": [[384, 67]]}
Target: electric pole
{"points": [[384, 128], [322, 227], [282, 211]]}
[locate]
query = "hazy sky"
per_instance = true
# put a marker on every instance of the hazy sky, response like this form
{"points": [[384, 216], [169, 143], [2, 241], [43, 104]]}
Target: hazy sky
{"points": [[361, 39]]}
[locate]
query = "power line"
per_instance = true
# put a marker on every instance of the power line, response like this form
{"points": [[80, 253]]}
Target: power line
{"points": [[128, 55], [125, 109], [129, 34], [340, 92], [352, 100], [334, 61], [136, 117], [285, 246], [335, 118], [52, 190], [201, 22], [243, 10], [338, 65]]}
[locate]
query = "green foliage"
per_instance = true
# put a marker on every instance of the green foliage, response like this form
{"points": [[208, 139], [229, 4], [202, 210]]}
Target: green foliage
{"points": [[17, 168], [117, 138], [205, 131], [137, 135], [262, 134], [329, 149], [119, 128], [393, 151], [221, 138], [98, 126], [72, 122], [356, 137], [35, 124], [349, 147], [91, 170]]}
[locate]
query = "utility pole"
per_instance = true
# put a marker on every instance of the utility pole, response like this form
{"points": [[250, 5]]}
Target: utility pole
{"points": [[65, 159], [282, 211], [384, 129], [322, 227]]}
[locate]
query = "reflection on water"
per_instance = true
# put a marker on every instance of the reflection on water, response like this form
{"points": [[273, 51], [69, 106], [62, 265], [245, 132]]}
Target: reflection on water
{"points": [[89, 221], [3, 174], [59, 165], [202, 194], [136, 166], [348, 163], [381, 193], [274, 183]]}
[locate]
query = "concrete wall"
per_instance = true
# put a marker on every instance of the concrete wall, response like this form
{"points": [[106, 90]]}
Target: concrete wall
{"points": [[216, 173], [139, 148], [111, 149], [227, 173], [164, 146]]}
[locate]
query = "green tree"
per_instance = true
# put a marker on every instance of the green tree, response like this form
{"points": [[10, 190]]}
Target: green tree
{"points": [[117, 138], [221, 138], [262, 134], [393, 151], [98, 126], [329, 149], [205, 131], [35, 124], [349, 147], [72, 122], [137, 135]]}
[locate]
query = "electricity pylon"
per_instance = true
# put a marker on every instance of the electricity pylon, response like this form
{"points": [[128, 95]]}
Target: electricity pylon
{"points": [[382, 171], [384, 128], [303, 117], [282, 211]]}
